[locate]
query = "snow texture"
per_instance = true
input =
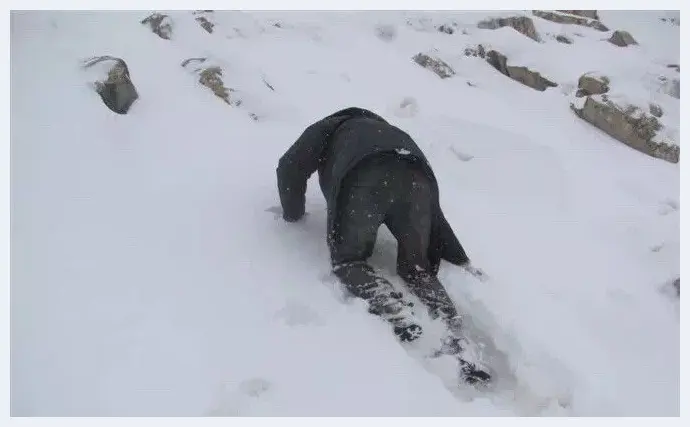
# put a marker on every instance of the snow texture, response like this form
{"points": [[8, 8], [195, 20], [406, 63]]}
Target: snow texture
{"points": [[148, 277]]}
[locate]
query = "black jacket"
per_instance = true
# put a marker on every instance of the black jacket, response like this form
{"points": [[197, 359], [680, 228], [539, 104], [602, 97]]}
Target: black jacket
{"points": [[333, 146]]}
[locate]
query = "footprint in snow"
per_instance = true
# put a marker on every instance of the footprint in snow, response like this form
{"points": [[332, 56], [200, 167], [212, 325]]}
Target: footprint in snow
{"points": [[668, 206], [254, 387], [231, 399], [298, 314]]}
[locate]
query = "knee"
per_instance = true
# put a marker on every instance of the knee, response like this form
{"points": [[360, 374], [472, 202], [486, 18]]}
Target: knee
{"points": [[415, 274]]}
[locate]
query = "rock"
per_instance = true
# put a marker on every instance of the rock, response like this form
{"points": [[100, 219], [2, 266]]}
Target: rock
{"points": [[622, 38], [212, 78], [160, 24], [591, 14], [446, 29], [655, 110], [479, 51], [521, 24], [676, 286], [386, 32], [560, 18], [672, 20], [521, 74], [592, 85], [436, 65], [674, 66], [115, 87], [564, 39], [629, 126], [205, 24], [268, 85]]}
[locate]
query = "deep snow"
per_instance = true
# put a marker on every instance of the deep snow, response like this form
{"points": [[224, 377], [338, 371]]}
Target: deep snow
{"points": [[148, 277]]}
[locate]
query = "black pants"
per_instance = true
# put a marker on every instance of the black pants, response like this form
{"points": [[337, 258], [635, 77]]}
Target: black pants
{"points": [[387, 189]]}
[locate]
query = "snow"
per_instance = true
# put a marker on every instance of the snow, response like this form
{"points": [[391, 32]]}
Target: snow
{"points": [[152, 276]]}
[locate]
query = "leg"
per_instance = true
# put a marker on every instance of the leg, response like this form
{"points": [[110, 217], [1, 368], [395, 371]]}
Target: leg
{"points": [[410, 222], [362, 208]]}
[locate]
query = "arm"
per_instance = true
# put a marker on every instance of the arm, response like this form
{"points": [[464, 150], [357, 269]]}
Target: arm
{"points": [[297, 164]]}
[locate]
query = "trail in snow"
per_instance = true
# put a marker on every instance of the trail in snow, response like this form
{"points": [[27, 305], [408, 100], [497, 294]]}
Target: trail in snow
{"points": [[149, 279]]}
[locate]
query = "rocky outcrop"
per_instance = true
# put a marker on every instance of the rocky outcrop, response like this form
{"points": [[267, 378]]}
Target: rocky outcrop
{"points": [[561, 18], [676, 286], [439, 67], [622, 39], [591, 14], [674, 66], [628, 125], [521, 74], [160, 24], [521, 24], [592, 85], [114, 85], [212, 78]]}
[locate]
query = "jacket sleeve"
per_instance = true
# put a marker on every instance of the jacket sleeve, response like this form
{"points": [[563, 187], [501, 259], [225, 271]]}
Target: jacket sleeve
{"points": [[453, 251], [447, 245], [298, 163]]}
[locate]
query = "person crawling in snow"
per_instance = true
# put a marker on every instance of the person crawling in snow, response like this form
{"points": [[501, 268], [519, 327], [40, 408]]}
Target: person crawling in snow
{"points": [[372, 173]]}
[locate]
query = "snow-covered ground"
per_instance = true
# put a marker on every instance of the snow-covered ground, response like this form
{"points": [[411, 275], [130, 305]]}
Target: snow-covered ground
{"points": [[149, 276]]}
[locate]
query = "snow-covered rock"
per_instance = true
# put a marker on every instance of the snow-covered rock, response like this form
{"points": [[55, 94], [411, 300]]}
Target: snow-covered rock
{"points": [[523, 75], [591, 84], [631, 125], [111, 80], [437, 65], [571, 19], [521, 24], [160, 24], [622, 39]]}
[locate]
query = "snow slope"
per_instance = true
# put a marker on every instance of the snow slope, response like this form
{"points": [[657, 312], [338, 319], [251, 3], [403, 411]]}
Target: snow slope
{"points": [[148, 277]]}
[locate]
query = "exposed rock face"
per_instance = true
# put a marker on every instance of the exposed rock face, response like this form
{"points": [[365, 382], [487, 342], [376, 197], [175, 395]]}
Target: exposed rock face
{"points": [[674, 66], [212, 78], [629, 126], [436, 65], [521, 24], [622, 39], [676, 286], [560, 18], [160, 24], [592, 85], [521, 74], [115, 88], [591, 14]]}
